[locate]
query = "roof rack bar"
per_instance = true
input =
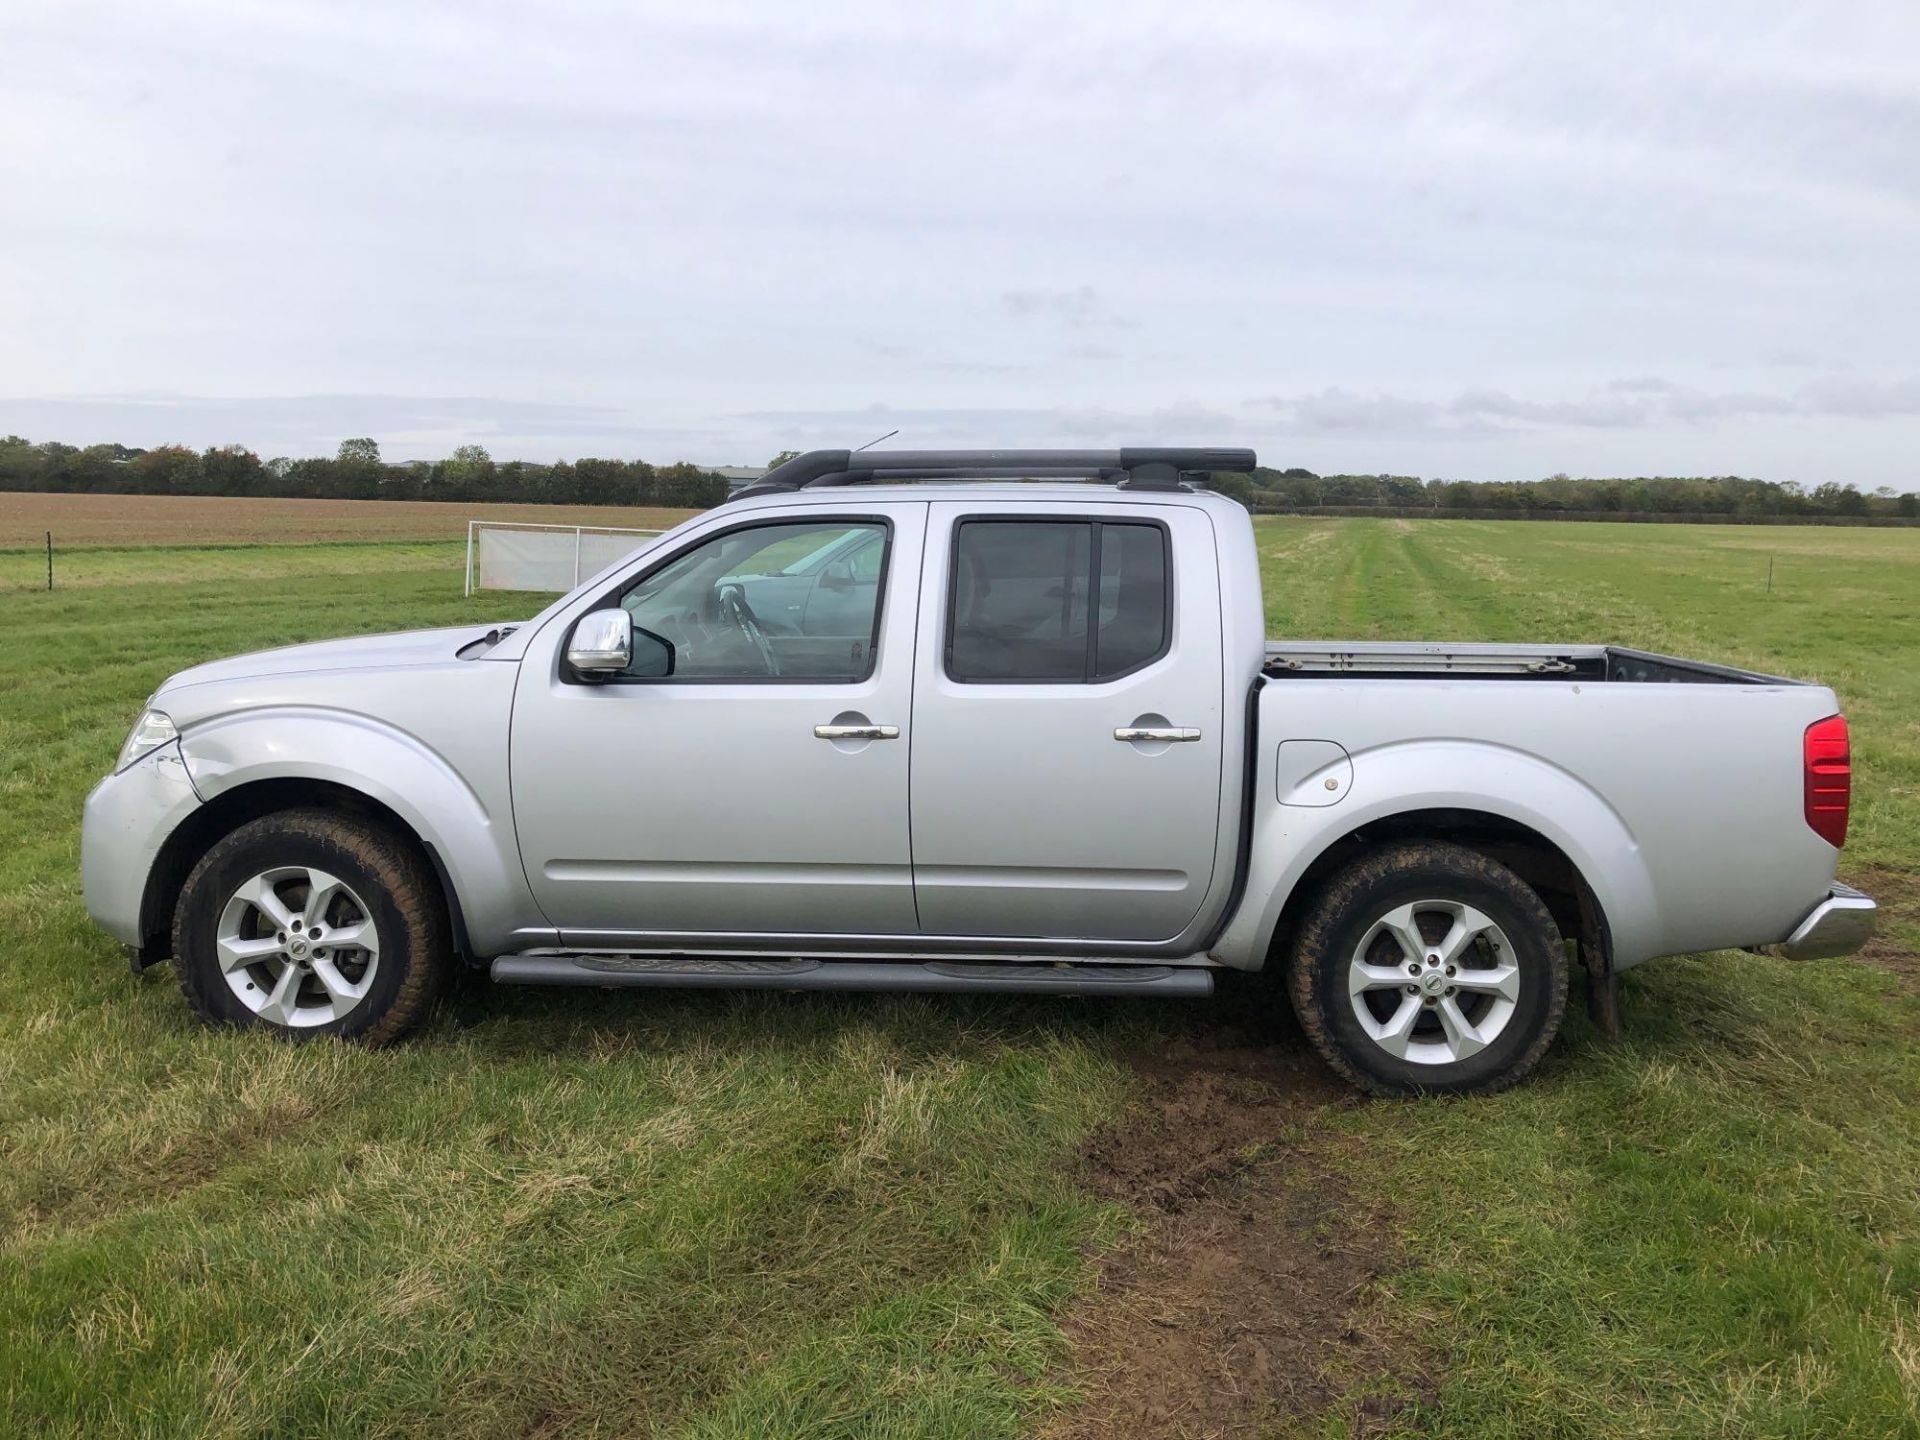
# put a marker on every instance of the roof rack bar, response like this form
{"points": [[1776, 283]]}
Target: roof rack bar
{"points": [[1022, 461], [1231, 460], [1136, 467], [804, 469], [971, 472]]}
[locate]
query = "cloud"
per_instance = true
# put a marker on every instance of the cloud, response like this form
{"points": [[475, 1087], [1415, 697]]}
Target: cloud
{"points": [[1176, 422], [1604, 410], [1334, 409], [911, 358], [1703, 405], [1476, 237], [1648, 403], [1077, 309], [292, 414], [1860, 398]]}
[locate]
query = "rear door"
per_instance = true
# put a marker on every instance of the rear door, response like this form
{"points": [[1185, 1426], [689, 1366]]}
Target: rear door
{"points": [[1068, 707]]}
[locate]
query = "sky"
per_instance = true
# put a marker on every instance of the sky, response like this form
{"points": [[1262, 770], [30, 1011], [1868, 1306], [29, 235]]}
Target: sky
{"points": [[1480, 241]]}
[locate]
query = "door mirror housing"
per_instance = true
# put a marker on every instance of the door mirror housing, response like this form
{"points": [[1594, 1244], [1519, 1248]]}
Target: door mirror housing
{"points": [[607, 642], [837, 576], [602, 643]]}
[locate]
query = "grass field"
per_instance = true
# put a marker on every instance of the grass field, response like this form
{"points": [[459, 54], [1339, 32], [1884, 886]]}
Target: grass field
{"points": [[702, 1215]]}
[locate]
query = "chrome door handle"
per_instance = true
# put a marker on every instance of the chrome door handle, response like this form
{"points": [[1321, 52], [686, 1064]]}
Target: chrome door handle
{"points": [[856, 732], [1177, 734]]}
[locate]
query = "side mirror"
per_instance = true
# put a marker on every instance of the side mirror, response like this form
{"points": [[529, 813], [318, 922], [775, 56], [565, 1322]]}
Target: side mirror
{"points": [[607, 642], [652, 655], [602, 643], [837, 576]]}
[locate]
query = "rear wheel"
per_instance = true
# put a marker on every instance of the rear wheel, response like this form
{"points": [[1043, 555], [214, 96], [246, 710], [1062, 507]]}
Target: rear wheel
{"points": [[309, 922], [1428, 967]]}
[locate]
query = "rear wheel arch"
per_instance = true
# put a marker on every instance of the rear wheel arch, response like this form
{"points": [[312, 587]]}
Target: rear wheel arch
{"points": [[1547, 869], [227, 812]]}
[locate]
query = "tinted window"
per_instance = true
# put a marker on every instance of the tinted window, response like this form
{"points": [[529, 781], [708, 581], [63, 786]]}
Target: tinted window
{"points": [[782, 601], [1020, 600], [1133, 598]]}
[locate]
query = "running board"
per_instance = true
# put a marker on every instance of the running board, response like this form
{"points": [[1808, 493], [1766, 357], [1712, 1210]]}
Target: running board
{"points": [[687, 972]]}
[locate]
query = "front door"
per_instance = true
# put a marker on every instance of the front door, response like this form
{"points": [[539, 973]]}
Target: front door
{"points": [[721, 798], [1067, 721]]}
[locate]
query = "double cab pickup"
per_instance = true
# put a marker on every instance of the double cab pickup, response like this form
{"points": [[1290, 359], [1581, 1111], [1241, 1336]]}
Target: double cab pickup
{"points": [[970, 721]]}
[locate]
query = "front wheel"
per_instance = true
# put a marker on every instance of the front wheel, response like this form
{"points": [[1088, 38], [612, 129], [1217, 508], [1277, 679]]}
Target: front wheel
{"points": [[309, 922], [1429, 968]]}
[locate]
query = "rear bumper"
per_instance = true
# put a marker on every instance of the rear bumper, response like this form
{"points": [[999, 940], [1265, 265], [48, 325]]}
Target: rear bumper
{"points": [[1838, 925]]}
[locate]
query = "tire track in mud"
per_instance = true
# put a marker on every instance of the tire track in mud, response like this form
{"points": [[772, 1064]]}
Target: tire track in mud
{"points": [[1239, 1302]]}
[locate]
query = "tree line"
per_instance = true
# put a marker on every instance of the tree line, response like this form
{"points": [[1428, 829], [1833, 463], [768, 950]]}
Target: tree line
{"points": [[471, 476], [355, 472], [1731, 495]]}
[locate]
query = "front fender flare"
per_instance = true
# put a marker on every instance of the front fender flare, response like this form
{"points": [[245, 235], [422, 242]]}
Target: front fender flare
{"points": [[1409, 776], [473, 839]]}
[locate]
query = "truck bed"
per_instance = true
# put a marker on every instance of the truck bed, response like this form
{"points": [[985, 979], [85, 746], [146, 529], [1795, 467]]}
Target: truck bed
{"points": [[1684, 808], [1423, 660]]}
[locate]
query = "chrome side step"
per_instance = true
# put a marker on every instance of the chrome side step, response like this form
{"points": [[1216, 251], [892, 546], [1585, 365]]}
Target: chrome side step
{"points": [[693, 972]]}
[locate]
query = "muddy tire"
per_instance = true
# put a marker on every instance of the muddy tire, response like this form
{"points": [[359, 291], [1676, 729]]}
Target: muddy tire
{"points": [[310, 922], [1427, 968]]}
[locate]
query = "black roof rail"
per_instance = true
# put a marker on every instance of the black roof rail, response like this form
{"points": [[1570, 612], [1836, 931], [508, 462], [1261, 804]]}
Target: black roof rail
{"points": [[1134, 467]]}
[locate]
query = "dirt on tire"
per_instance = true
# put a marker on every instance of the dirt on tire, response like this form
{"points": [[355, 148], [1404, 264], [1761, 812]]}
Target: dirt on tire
{"points": [[1315, 952], [421, 944]]}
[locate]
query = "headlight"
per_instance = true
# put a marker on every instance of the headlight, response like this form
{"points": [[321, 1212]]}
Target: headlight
{"points": [[150, 732]]}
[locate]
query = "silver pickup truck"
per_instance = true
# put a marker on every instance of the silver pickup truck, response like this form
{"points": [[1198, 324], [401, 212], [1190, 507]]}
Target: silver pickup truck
{"points": [[969, 721]]}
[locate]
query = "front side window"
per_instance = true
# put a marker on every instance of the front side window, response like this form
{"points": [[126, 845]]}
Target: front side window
{"points": [[787, 601], [1053, 602]]}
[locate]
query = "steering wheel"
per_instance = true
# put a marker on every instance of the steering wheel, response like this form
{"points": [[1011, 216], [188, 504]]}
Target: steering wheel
{"points": [[735, 610]]}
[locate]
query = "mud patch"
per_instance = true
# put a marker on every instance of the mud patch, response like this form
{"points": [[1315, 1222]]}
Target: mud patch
{"points": [[1892, 949], [1241, 1296]]}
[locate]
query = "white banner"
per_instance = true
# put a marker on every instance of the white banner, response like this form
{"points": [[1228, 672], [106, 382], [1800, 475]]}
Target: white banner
{"points": [[548, 558]]}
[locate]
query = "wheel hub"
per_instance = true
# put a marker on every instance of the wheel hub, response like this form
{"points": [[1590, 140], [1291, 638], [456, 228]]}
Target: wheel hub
{"points": [[1433, 982], [297, 946]]}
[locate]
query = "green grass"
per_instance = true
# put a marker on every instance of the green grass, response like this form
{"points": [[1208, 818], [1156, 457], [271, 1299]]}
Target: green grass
{"points": [[709, 1215]]}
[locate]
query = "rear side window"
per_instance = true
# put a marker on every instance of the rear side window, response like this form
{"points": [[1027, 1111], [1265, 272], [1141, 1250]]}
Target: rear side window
{"points": [[1057, 601]]}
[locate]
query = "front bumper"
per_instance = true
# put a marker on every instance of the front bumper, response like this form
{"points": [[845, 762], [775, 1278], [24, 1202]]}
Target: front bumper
{"points": [[1839, 925], [128, 817]]}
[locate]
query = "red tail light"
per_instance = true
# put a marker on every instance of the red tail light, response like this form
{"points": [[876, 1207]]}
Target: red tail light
{"points": [[1829, 776]]}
